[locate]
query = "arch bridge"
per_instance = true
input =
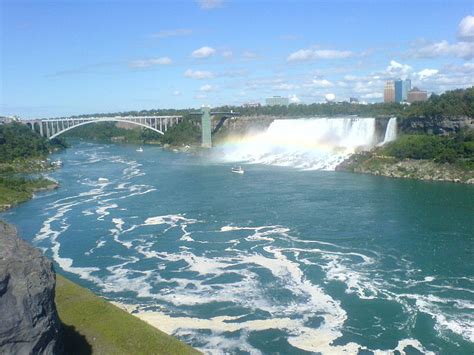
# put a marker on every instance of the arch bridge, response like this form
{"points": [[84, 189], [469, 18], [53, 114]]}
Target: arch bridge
{"points": [[53, 127]]}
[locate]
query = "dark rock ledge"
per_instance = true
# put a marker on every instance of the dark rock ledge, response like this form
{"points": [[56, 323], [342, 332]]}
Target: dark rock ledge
{"points": [[29, 322]]}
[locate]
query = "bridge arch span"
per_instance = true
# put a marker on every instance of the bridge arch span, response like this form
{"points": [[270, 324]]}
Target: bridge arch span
{"points": [[105, 119]]}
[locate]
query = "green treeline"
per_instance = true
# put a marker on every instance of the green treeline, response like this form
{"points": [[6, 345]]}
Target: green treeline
{"points": [[17, 141], [457, 148]]}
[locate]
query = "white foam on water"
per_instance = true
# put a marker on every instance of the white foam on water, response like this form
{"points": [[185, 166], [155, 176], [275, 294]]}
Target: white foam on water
{"points": [[103, 211]]}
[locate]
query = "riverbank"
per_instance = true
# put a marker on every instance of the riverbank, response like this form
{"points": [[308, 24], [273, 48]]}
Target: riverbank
{"points": [[419, 169], [93, 325], [19, 180]]}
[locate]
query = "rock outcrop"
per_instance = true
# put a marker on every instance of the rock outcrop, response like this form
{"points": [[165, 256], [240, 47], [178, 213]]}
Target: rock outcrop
{"points": [[29, 322], [438, 126]]}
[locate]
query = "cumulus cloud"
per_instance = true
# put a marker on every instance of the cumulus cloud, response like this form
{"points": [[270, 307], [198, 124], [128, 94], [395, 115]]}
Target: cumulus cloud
{"points": [[314, 54], [285, 86], [294, 99], [321, 83], [396, 69], [172, 33], [198, 74], [203, 52], [146, 63], [426, 73], [466, 29], [207, 88], [464, 50], [209, 4]]}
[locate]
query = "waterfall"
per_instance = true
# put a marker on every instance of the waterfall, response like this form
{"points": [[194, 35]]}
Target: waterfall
{"points": [[310, 144], [391, 131]]}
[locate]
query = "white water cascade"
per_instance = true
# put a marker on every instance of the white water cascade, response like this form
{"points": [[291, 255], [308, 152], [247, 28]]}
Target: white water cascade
{"points": [[391, 131], [310, 144]]}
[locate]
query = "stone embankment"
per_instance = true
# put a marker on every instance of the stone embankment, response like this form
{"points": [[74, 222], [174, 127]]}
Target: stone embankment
{"points": [[370, 163], [29, 322]]}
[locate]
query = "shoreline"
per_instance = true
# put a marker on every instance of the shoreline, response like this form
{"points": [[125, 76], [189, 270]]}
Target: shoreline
{"points": [[419, 169]]}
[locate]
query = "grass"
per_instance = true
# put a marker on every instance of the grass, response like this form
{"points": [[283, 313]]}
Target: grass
{"points": [[93, 325]]}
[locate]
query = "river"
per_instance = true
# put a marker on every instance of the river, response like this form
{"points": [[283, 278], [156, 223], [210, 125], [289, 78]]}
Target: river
{"points": [[276, 260]]}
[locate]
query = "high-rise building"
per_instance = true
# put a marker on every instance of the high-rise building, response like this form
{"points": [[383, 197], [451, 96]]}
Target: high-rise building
{"points": [[416, 94], [389, 91], [277, 101], [405, 89], [398, 90]]}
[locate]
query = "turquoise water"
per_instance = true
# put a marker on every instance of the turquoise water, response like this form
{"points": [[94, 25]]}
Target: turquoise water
{"points": [[276, 260]]}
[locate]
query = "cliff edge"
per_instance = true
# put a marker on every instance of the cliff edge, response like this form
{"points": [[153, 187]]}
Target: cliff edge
{"points": [[29, 322]]}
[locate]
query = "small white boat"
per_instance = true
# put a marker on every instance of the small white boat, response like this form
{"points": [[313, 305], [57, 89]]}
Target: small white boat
{"points": [[237, 170], [101, 179], [140, 150], [57, 163]]}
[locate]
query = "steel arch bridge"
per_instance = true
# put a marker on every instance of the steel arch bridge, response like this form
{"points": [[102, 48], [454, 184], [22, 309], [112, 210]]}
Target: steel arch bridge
{"points": [[51, 128]]}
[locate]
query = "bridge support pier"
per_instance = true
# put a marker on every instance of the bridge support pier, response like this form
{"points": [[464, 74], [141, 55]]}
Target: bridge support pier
{"points": [[206, 128]]}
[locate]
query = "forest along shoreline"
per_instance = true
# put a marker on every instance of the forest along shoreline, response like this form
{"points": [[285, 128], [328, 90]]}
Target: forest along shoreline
{"points": [[23, 162]]}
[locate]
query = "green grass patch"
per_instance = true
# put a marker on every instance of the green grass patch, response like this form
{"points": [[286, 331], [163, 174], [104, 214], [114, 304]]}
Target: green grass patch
{"points": [[93, 325]]}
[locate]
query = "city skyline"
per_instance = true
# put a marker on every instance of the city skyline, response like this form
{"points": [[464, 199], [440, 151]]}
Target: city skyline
{"points": [[63, 58]]}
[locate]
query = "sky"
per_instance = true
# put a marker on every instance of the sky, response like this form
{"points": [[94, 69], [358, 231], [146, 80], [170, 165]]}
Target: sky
{"points": [[67, 57]]}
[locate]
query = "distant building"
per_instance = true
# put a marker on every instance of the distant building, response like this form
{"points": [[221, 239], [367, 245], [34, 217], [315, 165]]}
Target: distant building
{"points": [[277, 101], [405, 89], [398, 90], [252, 104], [416, 94], [389, 91], [353, 100]]}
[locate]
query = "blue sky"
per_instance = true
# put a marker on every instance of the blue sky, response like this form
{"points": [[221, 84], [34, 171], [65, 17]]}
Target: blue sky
{"points": [[68, 57]]}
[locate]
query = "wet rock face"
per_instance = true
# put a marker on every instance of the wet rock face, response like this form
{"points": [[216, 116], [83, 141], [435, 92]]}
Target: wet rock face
{"points": [[441, 126], [29, 323]]}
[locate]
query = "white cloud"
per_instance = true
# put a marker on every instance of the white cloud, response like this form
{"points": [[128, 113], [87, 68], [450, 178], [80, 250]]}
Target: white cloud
{"points": [[198, 74], [172, 33], [396, 69], [227, 54], [463, 50], [294, 99], [207, 88], [146, 63], [426, 73], [466, 29], [321, 83], [203, 52], [209, 4], [313, 54], [177, 93], [285, 86]]}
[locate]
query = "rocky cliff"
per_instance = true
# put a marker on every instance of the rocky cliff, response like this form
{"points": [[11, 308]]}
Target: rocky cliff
{"points": [[441, 125], [29, 323]]}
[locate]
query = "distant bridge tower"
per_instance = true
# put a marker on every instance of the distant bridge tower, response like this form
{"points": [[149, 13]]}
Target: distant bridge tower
{"points": [[206, 133]]}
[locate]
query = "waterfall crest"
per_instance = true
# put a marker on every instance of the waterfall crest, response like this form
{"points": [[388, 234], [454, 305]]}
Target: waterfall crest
{"points": [[310, 144]]}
